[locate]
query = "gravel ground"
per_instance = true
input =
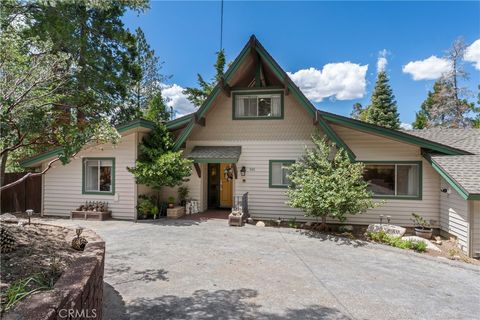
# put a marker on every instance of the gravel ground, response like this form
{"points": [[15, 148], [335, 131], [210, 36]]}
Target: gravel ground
{"points": [[206, 270]]}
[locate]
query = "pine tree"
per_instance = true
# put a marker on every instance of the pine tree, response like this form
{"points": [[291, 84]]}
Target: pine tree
{"points": [[447, 105], [383, 108], [157, 111], [145, 86], [198, 95]]}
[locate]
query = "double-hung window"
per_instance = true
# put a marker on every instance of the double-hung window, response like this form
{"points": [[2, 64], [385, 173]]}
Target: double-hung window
{"points": [[279, 173], [394, 180], [99, 175], [258, 105]]}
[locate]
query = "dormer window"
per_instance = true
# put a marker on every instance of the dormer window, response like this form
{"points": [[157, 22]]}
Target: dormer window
{"points": [[257, 105]]}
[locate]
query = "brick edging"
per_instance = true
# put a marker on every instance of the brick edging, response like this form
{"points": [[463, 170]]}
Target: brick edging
{"points": [[77, 294]]}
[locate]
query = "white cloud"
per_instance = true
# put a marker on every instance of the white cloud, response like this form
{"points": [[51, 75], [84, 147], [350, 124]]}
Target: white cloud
{"points": [[343, 81], [177, 99], [406, 126], [472, 54], [429, 69], [382, 60]]}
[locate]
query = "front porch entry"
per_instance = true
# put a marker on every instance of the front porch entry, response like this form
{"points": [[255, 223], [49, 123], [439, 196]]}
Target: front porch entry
{"points": [[220, 185], [220, 164]]}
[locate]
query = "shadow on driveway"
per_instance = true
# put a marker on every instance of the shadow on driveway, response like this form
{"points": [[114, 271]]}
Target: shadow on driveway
{"points": [[341, 241], [220, 304]]}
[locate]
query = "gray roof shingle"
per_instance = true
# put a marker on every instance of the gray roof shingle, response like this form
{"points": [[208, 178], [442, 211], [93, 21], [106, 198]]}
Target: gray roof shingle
{"points": [[467, 139], [465, 170]]}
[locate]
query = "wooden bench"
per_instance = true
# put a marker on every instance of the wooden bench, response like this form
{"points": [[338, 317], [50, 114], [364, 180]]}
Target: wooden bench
{"points": [[91, 215]]}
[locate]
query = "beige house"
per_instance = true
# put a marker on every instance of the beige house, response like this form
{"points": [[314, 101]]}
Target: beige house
{"points": [[255, 123]]}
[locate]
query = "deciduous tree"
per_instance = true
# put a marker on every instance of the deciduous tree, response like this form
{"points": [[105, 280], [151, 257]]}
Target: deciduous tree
{"points": [[324, 186]]}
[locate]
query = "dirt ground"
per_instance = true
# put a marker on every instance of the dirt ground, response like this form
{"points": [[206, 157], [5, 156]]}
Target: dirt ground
{"points": [[41, 250]]}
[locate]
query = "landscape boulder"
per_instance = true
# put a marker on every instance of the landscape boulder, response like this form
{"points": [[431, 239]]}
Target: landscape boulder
{"points": [[390, 229]]}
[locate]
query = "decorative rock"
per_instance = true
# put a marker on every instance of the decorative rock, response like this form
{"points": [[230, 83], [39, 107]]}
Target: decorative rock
{"points": [[345, 228], [7, 217], [430, 245], [389, 229], [260, 224]]}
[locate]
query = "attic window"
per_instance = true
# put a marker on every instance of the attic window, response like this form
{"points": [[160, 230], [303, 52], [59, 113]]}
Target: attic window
{"points": [[258, 105]]}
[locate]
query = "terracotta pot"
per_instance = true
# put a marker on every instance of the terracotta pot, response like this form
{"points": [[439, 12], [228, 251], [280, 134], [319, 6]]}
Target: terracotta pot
{"points": [[424, 233], [170, 205]]}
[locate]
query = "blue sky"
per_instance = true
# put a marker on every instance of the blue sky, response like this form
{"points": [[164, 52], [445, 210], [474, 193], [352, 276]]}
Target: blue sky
{"points": [[337, 39]]}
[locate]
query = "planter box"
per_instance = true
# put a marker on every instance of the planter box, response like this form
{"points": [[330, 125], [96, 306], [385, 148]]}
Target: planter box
{"points": [[235, 219], [176, 212], [91, 215]]}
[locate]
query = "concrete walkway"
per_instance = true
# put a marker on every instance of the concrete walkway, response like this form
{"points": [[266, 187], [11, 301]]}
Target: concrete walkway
{"points": [[206, 270]]}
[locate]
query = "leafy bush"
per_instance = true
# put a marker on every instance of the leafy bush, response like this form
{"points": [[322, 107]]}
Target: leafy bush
{"points": [[326, 183], [292, 223], [397, 242]]}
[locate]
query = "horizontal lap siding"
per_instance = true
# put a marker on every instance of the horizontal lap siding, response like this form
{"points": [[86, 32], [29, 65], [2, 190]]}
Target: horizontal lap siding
{"points": [[263, 201], [63, 184], [454, 217], [369, 147]]}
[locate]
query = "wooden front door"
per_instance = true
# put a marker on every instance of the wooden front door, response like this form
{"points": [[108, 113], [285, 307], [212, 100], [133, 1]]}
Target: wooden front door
{"points": [[226, 186]]}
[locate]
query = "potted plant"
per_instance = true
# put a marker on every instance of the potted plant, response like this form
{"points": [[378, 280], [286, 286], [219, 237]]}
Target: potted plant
{"points": [[171, 202], [182, 195], [144, 208], [422, 227], [154, 211]]}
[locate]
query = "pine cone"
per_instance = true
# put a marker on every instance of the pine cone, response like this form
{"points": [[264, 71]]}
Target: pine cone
{"points": [[79, 243], [7, 240]]}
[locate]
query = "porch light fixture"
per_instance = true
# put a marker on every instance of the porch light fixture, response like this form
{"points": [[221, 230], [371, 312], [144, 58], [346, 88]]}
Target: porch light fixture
{"points": [[243, 171], [78, 231]]}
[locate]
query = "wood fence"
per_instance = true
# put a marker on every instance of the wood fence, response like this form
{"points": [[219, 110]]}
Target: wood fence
{"points": [[23, 196]]}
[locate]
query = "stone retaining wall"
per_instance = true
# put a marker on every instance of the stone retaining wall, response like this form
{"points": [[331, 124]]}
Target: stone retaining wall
{"points": [[77, 294]]}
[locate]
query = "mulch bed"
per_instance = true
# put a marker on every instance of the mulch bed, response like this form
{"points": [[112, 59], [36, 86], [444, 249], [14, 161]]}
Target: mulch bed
{"points": [[41, 250]]}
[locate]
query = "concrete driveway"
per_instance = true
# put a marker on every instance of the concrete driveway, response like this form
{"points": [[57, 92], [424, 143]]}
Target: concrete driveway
{"points": [[207, 270]]}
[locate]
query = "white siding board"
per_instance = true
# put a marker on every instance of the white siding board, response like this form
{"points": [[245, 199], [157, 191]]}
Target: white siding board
{"points": [[454, 215], [63, 184]]}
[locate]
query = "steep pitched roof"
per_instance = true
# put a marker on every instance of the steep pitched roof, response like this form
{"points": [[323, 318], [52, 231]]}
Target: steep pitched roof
{"points": [[323, 119]]}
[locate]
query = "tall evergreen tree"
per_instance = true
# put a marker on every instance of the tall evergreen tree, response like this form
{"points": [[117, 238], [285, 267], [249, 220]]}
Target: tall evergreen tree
{"points": [[145, 86], [198, 95], [382, 110], [447, 105], [156, 110], [102, 50]]}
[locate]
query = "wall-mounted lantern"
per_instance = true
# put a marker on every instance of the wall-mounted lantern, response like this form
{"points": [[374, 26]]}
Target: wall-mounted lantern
{"points": [[243, 171]]}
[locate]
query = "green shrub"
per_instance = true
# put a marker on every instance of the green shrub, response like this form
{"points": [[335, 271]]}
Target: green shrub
{"points": [[397, 242]]}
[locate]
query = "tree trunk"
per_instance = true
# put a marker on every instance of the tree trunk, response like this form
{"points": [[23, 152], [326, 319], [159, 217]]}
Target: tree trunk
{"points": [[324, 223], [3, 165]]}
